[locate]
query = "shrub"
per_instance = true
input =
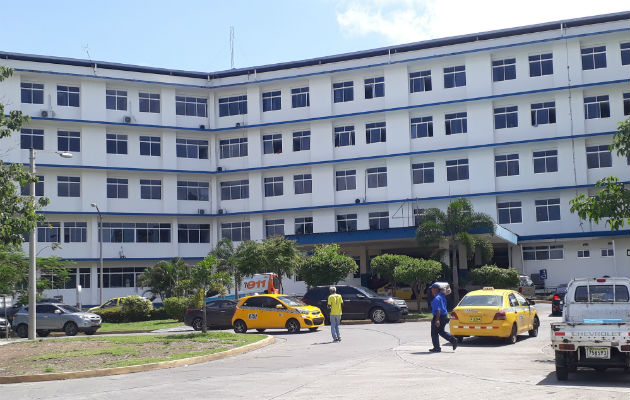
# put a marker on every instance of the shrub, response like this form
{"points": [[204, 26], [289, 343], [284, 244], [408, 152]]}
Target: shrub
{"points": [[176, 307], [159, 314], [136, 308], [499, 278], [113, 316]]}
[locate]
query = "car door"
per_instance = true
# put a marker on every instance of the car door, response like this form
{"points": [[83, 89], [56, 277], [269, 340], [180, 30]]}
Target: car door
{"points": [[212, 313], [45, 316], [516, 310], [224, 313], [276, 313], [526, 312], [356, 305], [254, 312]]}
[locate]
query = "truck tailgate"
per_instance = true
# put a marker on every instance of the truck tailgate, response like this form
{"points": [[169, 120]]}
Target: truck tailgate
{"points": [[590, 333]]}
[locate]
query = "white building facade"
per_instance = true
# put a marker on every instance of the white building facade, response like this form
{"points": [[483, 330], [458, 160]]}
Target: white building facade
{"points": [[345, 149]]}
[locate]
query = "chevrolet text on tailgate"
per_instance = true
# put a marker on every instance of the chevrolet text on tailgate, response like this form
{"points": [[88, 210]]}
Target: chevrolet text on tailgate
{"points": [[595, 327]]}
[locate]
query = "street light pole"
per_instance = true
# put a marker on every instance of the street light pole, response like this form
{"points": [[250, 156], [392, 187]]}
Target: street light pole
{"points": [[100, 244], [32, 269]]}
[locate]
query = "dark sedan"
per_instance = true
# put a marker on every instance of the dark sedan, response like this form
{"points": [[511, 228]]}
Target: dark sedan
{"points": [[218, 315], [557, 302]]}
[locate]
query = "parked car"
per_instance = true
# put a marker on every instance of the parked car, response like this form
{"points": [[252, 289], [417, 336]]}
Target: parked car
{"points": [[56, 317], [270, 311], [402, 291], [494, 312], [218, 315], [9, 312], [5, 326], [557, 301], [526, 287], [359, 303], [114, 303]]}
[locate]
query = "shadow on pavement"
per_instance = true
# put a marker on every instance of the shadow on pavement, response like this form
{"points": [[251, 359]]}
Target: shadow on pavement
{"points": [[613, 377]]}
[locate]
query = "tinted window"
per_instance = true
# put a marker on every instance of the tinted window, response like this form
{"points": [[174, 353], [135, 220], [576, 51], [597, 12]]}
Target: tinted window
{"points": [[521, 299], [347, 291], [270, 302], [513, 302], [581, 294], [602, 293], [621, 293], [254, 302], [228, 304], [482, 300], [70, 309], [291, 301], [45, 309]]}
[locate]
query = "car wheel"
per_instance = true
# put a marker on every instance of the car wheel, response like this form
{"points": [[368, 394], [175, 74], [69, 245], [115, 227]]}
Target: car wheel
{"points": [[71, 329], [512, 338], [313, 329], [197, 324], [534, 332], [90, 332], [240, 326], [42, 333], [460, 339], [562, 368], [22, 331], [261, 330], [377, 315], [293, 326]]}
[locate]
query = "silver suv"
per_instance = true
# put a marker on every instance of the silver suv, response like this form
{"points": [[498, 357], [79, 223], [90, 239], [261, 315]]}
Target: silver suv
{"points": [[56, 317]]}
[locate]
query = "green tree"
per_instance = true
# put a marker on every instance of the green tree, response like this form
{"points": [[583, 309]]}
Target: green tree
{"points": [[166, 278], [18, 214], [385, 264], [499, 278], [205, 278], [455, 226], [326, 266], [612, 200], [275, 254], [417, 273], [226, 261]]}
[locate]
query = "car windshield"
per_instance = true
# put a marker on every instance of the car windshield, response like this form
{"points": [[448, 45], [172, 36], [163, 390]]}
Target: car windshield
{"points": [[367, 292], [67, 308], [482, 300], [291, 301]]}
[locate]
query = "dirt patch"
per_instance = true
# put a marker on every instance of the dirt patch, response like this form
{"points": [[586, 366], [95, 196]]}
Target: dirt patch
{"points": [[78, 354]]}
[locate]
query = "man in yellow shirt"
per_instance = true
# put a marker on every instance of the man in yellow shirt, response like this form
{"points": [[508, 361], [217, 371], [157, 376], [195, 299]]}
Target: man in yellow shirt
{"points": [[334, 305]]}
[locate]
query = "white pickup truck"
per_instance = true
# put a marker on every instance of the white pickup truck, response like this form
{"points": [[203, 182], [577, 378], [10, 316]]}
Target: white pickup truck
{"points": [[595, 327]]}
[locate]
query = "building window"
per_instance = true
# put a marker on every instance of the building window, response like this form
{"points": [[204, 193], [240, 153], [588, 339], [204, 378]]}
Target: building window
{"points": [[150, 189], [456, 123], [541, 64], [193, 233], [545, 161], [301, 140], [32, 93], [138, 232], [457, 170], [274, 186], [150, 146], [343, 91], [116, 99], [420, 81], [344, 136], [39, 187], [114, 232], [510, 212], [543, 113], [74, 232], [541, 253], [191, 106], [230, 148], [421, 127], [376, 177], [272, 144], [608, 252], [374, 87], [594, 57], [584, 253], [454, 76], [548, 210], [379, 220], [71, 283], [274, 227], [626, 103], [234, 190], [192, 148], [117, 188], [598, 156], [68, 186], [121, 277], [625, 53], [69, 141], [506, 165], [505, 117], [193, 191], [300, 97], [504, 70], [303, 183], [235, 105], [375, 132], [304, 226], [149, 102], [116, 143], [32, 139], [235, 231], [49, 232], [271, 101], [67, 96], [596, 107], [422, 173], [418, 214], [346, 180], [346, 222]]}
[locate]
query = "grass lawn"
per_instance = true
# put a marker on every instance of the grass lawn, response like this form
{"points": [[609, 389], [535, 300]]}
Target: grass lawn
{"points": [[415, 315], [142, 325]]}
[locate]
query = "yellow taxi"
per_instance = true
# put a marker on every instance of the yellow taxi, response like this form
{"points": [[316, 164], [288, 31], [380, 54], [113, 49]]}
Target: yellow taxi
{"points": [[111, 304], [275, 311], [494, 312]]}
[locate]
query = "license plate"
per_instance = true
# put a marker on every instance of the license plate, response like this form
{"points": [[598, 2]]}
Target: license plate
{"points": [[598, 352], [475, 319]]}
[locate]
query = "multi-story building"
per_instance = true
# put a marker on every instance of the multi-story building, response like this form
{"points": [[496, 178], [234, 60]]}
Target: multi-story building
{"points": [[347, 148]]}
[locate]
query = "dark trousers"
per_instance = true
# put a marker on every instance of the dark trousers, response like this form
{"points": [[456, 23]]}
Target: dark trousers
{"points": [[435, 331]]}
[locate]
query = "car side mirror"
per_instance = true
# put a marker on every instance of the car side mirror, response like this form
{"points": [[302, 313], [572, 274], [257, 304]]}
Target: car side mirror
{"points": [[279, 306], [531, 302], [57, 311]]}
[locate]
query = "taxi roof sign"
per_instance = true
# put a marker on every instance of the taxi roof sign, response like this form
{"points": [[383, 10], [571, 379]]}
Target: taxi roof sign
{"points": [[488, 288]]}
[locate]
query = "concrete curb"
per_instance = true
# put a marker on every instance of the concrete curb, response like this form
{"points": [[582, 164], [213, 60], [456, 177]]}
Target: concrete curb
{"points": [[137, 368]]}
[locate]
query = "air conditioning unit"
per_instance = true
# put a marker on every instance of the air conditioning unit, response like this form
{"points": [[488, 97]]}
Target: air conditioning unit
{"points": [[201, 211], [219, 169], [127, 119], [238, 124], [202, 126], [46, 114], [220, 211]]}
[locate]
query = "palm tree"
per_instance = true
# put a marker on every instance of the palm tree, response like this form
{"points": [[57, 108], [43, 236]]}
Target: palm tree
{"points": [[226, 261], [455, 225]]}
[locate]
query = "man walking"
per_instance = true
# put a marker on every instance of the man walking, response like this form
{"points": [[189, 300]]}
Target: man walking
{"points": [[440, 319], [334, 305]]}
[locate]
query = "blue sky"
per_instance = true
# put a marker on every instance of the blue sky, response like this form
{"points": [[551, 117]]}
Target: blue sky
{"points": [[194, 34]]}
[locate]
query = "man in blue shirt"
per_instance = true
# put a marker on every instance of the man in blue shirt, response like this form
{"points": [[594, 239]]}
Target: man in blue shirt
{"points": [[440, 319]]}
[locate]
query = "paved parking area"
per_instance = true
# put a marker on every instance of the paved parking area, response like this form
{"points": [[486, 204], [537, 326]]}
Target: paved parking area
{"points": [[388, 361]]}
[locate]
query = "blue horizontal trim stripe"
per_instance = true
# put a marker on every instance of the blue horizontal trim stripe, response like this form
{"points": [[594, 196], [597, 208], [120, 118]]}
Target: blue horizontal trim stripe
{"points": [[573, 235], [330, 71]]}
